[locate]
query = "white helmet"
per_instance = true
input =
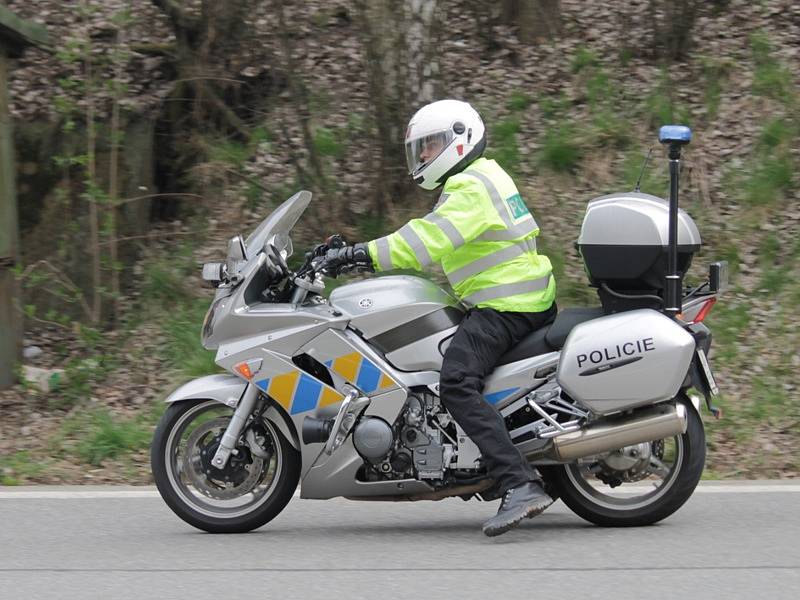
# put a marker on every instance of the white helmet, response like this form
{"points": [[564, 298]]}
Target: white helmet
{"points": [[442, 138]]}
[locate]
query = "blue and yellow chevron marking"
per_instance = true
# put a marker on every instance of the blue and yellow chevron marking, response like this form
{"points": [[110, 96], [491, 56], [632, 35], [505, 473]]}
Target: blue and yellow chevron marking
{"points": [[298, 392], [495, 397], [361, 372]]}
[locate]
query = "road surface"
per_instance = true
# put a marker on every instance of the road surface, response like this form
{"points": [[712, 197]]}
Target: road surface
{"points": [[731, 540]]}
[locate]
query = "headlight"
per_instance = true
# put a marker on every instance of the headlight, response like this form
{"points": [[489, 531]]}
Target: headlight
{"points": [[208, 322]]}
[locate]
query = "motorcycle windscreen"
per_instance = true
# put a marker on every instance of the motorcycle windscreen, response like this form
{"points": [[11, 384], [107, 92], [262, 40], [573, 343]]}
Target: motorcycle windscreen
{"points": [[280, 222]]}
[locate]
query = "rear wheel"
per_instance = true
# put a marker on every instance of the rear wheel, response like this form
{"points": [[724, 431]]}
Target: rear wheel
{"points": [[256, 485], [636, 485]]}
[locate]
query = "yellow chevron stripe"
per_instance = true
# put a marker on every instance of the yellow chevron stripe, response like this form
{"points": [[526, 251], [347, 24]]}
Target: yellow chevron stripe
{"points": [[347, 366], [329, 396], [385, 382], [282, 388]]}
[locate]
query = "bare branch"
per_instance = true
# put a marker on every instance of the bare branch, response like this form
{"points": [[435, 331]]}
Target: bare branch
{"points": [[148, 196], [62, 278], [39, 319], [154, 236], [248, 179]]}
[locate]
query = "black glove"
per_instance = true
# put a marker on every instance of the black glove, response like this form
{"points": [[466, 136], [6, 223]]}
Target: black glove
{"points": [[341, 260]]}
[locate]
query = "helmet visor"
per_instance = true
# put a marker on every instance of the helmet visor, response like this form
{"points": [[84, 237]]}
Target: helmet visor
{"points": [[423, 150]]}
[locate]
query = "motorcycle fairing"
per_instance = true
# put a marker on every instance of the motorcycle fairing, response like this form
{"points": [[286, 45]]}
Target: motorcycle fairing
{"points": [[347, 363]]}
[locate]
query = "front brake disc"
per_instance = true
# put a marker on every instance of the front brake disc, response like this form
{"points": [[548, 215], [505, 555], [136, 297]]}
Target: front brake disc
{"points": [[208, 480]]}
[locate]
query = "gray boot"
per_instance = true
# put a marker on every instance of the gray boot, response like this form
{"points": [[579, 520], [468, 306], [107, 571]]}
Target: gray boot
{"points": [[518, 503]]}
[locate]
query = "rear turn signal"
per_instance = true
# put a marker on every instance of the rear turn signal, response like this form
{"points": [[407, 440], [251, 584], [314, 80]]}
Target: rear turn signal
{"points": [[705, 309]]}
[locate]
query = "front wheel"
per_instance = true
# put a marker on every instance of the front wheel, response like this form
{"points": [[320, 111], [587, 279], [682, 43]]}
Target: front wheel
{"points": [[636, 485], [249, 492]]}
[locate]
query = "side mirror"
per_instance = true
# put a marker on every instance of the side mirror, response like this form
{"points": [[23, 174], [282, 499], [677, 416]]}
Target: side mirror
{"points": [[237, 254], [237, 251]]}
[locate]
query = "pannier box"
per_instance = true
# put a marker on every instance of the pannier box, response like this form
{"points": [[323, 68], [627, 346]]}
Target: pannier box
{"points": [[624, 241]]}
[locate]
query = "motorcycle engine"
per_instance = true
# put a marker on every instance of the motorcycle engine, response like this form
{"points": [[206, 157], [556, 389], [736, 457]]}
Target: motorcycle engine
{"points": [[418, 445]]}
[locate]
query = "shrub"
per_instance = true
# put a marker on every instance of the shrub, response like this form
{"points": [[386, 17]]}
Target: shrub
{"points": [[503, 142], [771, 77], [107, 437], [518, 101], [560, 150]]}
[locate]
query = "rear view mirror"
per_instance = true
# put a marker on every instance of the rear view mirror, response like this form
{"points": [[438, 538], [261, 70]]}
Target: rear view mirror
{"points": [[236, 249]]}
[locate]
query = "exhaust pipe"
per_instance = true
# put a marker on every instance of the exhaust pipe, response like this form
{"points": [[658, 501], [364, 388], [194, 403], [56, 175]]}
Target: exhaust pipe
{"points": [[605, 436]]}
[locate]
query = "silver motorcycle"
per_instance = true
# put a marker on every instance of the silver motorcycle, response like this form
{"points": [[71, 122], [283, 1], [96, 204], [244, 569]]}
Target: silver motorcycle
{"points": [[341, 394]]}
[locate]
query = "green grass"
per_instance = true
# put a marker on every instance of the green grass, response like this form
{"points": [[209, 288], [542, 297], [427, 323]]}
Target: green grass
{"points": [[770, 177], [569, 292], [728, 322], [519, 101], [655, 179], [183, 350], [661, 109], [560, 150], [326, 143], [180, 314], [97, 436], [770, 170], [777, 132], [716, 73], [19, 467], [164, 282], [771, 78], [229, 152], [609, 128], [554, 107], [583, 59], [768, 399], [774, 275], [80, 374], [503, 144]]}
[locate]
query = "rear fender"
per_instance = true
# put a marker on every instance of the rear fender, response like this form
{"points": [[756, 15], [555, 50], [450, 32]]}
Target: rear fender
{"points": [[228, 389]]}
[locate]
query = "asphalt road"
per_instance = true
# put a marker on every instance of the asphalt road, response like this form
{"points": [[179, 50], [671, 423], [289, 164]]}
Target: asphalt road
{"points": [[728, 541]]}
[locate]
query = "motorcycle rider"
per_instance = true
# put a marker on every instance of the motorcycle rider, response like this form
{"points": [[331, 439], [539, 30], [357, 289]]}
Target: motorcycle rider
{"points": [[484, 236]]}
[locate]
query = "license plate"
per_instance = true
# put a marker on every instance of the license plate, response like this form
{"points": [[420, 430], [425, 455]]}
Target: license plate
{"points": [[712, 385]]}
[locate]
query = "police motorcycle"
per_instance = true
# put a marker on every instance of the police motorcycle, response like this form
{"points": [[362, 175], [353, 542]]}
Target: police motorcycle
{"points": [[341, 394]]}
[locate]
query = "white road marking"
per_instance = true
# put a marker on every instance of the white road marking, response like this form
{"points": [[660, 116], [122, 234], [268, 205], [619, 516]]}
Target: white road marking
{"points": [[53, 493]]}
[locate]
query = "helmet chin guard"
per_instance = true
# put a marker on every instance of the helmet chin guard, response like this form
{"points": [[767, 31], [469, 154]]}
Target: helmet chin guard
{"points": [[442, 138]]}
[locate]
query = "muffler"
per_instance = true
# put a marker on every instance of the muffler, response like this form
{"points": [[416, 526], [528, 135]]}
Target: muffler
{"points": [[646, 425]]}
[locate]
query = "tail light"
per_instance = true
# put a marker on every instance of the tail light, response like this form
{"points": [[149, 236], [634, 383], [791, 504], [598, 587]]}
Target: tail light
{"points": [[705, 309]]}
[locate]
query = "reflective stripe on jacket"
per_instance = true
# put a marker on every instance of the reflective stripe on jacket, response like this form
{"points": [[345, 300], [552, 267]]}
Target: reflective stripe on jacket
{"points": [[485, 238]]}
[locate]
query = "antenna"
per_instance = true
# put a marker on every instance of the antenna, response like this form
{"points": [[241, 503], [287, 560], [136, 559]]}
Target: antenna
{"points": [[644, 166]]}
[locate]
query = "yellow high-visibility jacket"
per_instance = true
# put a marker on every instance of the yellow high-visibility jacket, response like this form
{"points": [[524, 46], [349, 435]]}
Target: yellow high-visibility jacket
{"points": [[485, 238]]}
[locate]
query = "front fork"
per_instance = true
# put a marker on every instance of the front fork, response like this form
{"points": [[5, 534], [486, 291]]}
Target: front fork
{"points": [[246, 406]]}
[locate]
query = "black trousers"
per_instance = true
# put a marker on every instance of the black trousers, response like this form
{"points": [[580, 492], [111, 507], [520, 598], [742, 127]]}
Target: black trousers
{"points": [[482, 338]]}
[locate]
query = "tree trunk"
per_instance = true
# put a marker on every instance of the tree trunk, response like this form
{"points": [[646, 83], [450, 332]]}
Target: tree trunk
{"points": [[672, 22], [400, 41], [535, 19], [91, 176], [113, 182]]}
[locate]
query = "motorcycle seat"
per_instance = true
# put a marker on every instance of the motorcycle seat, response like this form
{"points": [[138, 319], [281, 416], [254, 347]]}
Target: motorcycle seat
{"points": [[566, 320], [551, 337]]}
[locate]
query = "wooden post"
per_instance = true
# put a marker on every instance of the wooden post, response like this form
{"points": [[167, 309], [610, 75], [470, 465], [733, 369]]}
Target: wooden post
{"points": [[10, 330], [15, 34]]}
